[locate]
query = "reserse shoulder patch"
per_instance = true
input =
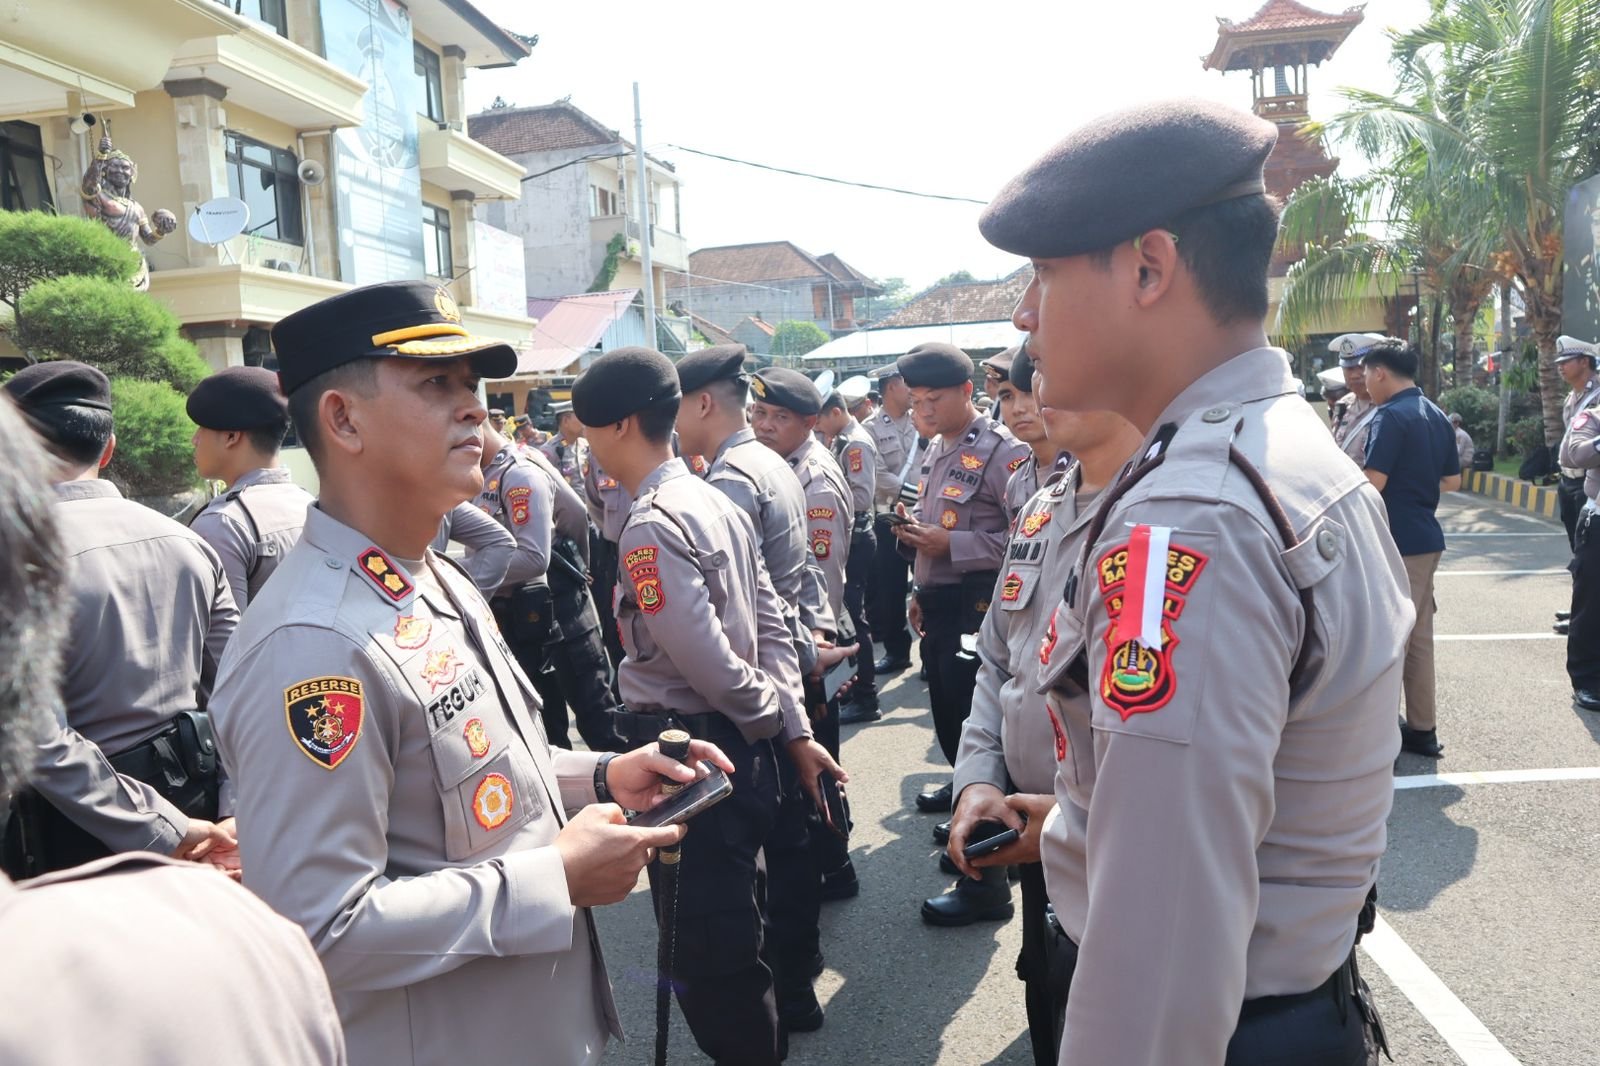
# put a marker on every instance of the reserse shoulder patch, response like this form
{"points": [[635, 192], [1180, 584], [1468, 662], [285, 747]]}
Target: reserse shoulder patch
{"points": [[324, 715]]}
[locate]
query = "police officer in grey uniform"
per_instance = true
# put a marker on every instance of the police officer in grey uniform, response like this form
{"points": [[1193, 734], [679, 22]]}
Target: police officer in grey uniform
{"points": [[544, 602], [133, 934], [403, 805], [1006, 765], [1579, 452], [567, 451], [1225, 661], [958, 532], [151, 613], [784, 416], [1019, 410], [707, 651], [712, 423], [1353, 414], [1576, 361], [242, 418], [857, 456], [898, 444], [489, 545]]}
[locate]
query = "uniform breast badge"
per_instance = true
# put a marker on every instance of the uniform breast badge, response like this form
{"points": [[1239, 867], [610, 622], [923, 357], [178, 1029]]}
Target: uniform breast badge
{"points": [[1145, 585], [492, 801]]}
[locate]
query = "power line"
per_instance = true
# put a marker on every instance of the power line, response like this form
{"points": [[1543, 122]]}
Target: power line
{"points": [[836, 181]]}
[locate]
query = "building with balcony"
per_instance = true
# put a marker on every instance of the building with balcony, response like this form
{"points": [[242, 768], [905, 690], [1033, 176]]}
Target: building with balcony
{"points": [[578, 216], [339, 124], [774, 282]]}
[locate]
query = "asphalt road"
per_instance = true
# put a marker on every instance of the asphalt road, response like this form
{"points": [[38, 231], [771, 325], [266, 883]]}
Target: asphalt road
{"points": [[1490, 953]]}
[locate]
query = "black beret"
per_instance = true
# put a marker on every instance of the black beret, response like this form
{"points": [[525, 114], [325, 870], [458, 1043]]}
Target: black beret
{"points": [[786, 388], [1022, 370], [999, 365], [240, 397], [720, 363], [1126, 173], [623, 382], [394, 320], [935, 365], [59, 383]]}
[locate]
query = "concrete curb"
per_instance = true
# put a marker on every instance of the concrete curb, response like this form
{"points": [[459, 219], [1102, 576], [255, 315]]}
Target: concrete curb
{"points": [[1539, 499]]}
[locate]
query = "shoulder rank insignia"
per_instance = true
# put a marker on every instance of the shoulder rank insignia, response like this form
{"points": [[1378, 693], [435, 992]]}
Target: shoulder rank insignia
{"points": [[1145, 584], [324, 716], [383, 573], [1018, 461]]}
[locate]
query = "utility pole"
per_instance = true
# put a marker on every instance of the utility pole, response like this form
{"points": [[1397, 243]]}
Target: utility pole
{"points": [[644, 225], [1502, 365]]}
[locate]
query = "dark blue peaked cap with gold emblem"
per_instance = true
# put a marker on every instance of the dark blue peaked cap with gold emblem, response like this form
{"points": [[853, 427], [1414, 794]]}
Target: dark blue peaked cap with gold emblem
{"points": [[392, 320]]}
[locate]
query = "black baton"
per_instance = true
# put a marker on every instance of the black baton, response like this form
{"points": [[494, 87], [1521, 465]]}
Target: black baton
{"points": [[673, 743]]}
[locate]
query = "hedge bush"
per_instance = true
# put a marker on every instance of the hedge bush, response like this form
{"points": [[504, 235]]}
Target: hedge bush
{"points": [[35, 247], [155, 452], [1479, 410]]}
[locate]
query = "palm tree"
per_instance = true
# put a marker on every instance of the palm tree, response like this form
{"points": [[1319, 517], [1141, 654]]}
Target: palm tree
{"points": [[1516, 100]]}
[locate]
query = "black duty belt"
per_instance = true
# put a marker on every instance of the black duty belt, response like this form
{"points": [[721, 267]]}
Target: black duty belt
{"points": [[641, 727]]}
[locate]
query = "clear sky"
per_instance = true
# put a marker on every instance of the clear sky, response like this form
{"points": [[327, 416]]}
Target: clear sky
{"points": [[938, 97]]}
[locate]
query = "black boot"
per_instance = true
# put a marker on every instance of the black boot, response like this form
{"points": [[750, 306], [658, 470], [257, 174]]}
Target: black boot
{"points": [[940, 799], [986, 900], [1421, 742], [862, 707], [941, 834], [891, 663], [840, 884]]}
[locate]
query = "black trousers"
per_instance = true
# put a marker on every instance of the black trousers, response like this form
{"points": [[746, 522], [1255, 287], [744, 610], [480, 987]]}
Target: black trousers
{"points": [[829, 851], [554, 634], [793, 888], [1569, 501], [1323, 1027], [952, 674], [892, 578], [1033, 966], [858, 597], [719, 970], [1583, 632]]}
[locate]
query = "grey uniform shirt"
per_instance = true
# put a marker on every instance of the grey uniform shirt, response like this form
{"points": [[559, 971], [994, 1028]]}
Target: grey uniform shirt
{"points": [[518, 496], [608, 502], [701, 624], [1577, 400], [570, 460], [896, 439], [1009, 736], [962, 489], [758, 482], [136, 934], [489, 545], [1219, 822], [858, 460], [1352, 423], [1025, 481], [151, 614], [829, 520], [1578, 450], [401, 806], [252, 526]]}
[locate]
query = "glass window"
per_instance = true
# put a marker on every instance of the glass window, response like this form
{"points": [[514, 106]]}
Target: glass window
{"points": [[270, 12], [436, 241], [426, 61], [24, 184], [264, 177]]}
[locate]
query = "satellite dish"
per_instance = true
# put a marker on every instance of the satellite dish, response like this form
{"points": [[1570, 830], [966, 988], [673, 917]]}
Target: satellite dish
{"points": [[219, 220], [311, 172], [825, 382]]}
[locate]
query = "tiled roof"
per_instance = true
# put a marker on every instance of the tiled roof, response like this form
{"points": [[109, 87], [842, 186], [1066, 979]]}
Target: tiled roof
{"points": [[515, 130], [758, 323], [710, 330], [769, 261], [1289, 15], [966, 301]]}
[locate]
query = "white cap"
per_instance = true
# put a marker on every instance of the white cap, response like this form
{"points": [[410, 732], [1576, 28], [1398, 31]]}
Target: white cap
{"points": [[853, 390], [1573, 348], [1351, 346]]}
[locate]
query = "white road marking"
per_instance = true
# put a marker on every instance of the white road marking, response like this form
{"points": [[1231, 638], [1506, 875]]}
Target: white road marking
{"points": [[1461, 1029], [1498, 777], [1498, 573], [1498, 636], [1555, 533]]}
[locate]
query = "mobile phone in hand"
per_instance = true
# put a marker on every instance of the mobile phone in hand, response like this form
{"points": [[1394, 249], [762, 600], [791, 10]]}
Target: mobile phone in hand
{"points": [[833, 810], [707, 792], [988, 837]]}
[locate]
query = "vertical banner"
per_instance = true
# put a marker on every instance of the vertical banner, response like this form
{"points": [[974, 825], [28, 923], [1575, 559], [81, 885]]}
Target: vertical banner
{"points": [[377, 177], [1580, 293], [499, 274]]}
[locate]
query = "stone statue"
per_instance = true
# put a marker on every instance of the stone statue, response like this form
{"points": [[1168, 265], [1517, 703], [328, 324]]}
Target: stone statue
{"points": [[108, 196]]}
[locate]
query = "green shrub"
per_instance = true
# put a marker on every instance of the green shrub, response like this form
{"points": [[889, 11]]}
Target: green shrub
{"points": [[155, 452], [1479, 410], [35, 247], [104, 323], [795, 338], [1524, 435]]}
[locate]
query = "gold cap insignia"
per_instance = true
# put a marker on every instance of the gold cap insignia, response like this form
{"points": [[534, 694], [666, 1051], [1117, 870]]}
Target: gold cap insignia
{"points": [[446, 304]]}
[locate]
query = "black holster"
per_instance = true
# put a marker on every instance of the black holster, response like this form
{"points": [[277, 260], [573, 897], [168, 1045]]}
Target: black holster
{"points": [[977, 589]]}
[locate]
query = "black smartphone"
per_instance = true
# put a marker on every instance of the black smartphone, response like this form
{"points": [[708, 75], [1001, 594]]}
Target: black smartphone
{"points": [[833, 810], [896, 519], [705, 793], [838, 676], [988, 837]]}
